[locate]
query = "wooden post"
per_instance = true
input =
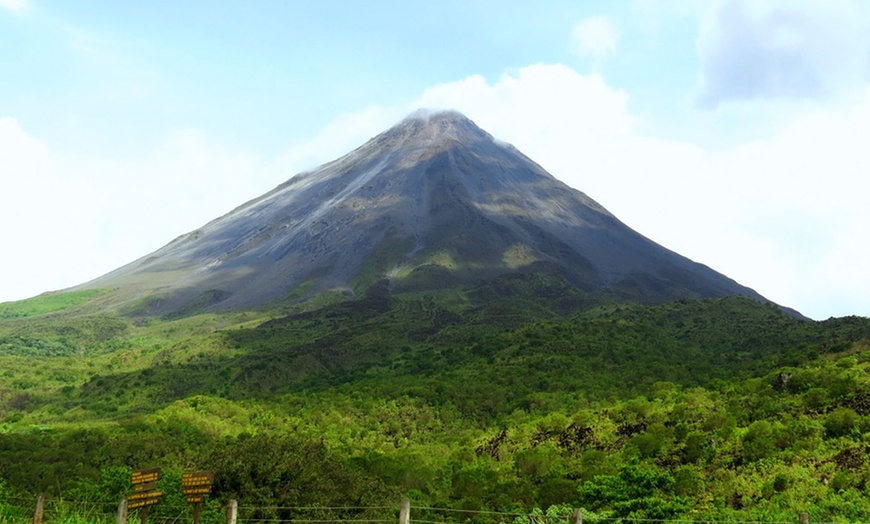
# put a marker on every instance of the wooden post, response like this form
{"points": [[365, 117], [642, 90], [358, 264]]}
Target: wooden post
{"points": [[577, 518], [804, 518], [405, 512], [232, 512], [122, 511], [37, 513], [143, 514], [196, 513]]}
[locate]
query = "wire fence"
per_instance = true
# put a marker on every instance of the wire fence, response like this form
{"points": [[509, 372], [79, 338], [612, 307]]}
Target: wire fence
{"points": [[20, 510]]}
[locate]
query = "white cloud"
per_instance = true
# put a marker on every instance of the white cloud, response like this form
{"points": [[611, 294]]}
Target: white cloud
{"points": [[782, 49], [16, 145], [551, 107], [594, 37], [536, 103], [16, 6], [804, 190], [47, 222], [186, 180], [67, 219]]}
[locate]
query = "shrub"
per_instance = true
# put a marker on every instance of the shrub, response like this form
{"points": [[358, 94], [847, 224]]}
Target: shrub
{"points": [[841, 422]]}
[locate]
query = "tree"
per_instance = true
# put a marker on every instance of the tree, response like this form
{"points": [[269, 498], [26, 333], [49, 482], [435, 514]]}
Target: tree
{"points": [[636, 492]]}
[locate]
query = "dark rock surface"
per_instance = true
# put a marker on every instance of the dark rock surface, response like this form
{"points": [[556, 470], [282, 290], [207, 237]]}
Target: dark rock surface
{"points": [[432, 202]]}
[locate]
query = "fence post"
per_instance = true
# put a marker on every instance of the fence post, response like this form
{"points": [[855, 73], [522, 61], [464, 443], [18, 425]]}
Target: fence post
{"points": [[37, 513], [577, 517], [804, 518], [405, 512], [232, 511], [122, 511]]}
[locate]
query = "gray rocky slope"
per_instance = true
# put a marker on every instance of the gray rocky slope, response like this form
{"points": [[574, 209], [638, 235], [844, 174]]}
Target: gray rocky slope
{"points": [[432, 202]]}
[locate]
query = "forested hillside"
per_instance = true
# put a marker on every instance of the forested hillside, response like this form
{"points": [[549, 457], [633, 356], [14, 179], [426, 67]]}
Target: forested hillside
{"points": [[514, 394]]}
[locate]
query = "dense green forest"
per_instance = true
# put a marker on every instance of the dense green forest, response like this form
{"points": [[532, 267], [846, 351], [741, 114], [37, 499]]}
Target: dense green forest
{"points": [[516, 394]]}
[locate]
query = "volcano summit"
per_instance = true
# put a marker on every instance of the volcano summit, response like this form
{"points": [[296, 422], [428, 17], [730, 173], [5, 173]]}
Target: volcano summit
{"points": [[433, 202]]}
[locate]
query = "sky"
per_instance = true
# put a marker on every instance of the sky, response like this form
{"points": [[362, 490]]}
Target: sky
{"points": [[732, 132]]}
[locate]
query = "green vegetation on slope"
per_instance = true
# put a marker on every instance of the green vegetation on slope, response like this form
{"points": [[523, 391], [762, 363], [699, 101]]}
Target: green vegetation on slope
{"points": [[46, 303], [516, 394]]}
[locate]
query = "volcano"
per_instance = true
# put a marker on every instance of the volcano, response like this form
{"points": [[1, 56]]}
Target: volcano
{"points": [[433, 202]]}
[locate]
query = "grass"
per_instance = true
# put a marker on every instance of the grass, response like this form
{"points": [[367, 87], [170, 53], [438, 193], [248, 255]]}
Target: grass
{"points": [[47, 303]]}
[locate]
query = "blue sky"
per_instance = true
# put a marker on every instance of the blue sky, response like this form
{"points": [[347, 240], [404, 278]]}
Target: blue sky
{"points": [[732, 132]]}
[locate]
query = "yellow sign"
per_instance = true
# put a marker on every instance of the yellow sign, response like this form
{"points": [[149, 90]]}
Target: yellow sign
{"points": [[145, 495], [144, 476], [142, 503], [196, 485], [196, 491], [197, 478]]}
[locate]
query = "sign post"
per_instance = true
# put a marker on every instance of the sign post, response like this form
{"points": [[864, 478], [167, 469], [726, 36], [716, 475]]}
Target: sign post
{"points": [[145, 492], [195, 486]]}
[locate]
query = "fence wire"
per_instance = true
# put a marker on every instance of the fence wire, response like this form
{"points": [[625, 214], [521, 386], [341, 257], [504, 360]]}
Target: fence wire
{"points": [[20, 510]]}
